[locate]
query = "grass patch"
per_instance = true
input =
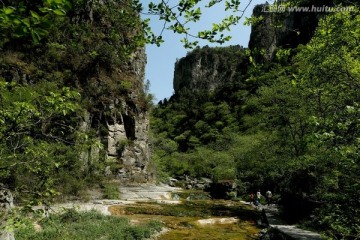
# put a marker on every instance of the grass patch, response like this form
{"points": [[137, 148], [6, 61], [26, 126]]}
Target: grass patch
{"points": [[86, 226], [193, 195], [111, 191]]}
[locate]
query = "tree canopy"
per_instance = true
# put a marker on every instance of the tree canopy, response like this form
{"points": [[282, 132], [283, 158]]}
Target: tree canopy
{"points": [[21, 19]]}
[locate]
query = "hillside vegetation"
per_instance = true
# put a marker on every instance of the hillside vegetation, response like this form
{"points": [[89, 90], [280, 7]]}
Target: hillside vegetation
{"points": [[290, 125], [66, 68]]}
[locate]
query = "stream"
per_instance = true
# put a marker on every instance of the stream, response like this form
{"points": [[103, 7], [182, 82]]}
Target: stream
{"points": [[194, 216], [186, 214]]}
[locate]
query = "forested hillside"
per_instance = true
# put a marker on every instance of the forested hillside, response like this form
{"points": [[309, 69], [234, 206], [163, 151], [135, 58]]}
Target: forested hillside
{"points": [[73, 107], [288, 123]]}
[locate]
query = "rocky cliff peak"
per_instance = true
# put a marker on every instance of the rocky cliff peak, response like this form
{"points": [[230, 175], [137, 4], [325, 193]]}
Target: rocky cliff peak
{"points": [[280, 29], [207, 68]]}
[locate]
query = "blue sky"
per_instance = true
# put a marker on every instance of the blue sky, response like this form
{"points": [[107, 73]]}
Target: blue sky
{"points": [[161, 60]]}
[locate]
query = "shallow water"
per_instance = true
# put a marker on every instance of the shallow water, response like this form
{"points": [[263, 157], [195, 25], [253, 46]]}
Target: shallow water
{"points": [[219, 219]]}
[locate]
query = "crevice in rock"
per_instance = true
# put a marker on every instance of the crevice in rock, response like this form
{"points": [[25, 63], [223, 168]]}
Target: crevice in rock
{"points": [[129, 124]]}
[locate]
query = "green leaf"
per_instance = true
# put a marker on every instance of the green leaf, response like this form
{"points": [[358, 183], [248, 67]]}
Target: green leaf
{"points": [[44, 10], [8, 10], [35, 36], [34, 15], [26, 22], [59, 12]]}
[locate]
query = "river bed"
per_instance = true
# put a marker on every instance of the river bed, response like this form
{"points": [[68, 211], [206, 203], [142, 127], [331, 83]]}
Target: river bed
{"points": [[195, 219]]}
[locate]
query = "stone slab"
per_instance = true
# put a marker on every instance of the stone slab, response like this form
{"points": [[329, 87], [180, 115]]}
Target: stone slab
{"points": [[292, 231]]}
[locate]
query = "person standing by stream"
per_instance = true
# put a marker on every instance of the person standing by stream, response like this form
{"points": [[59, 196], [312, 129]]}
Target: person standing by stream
{"points": [[268, 196], [258, 197], [251, 196]]}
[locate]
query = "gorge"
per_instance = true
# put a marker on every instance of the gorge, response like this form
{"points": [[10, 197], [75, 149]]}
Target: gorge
{"points": [[78, 124]]}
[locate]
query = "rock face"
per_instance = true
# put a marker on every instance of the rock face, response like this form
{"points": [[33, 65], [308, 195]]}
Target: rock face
{"points": [[131, 152], [284, 29], [6, 199], [5, 235], [6, 204], [207, 68], [125, 135]]}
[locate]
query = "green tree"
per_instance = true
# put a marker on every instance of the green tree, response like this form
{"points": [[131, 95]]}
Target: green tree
{"points": [[33, 130], [177, 17], [329, 68], [22, 19], [309, 111]]}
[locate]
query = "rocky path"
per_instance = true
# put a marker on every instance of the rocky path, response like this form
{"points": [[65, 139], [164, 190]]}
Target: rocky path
{"points": [[290, 231]]}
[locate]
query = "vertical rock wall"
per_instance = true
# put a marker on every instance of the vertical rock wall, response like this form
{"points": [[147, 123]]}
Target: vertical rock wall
{"points": [[208, 68], [125, 142], [280, 29], [128, 135], [127, 148]]}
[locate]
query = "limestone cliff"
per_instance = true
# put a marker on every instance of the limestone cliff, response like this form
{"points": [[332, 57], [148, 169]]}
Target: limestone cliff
{"points": [[207, 68], [122, 125], [280, 29]]}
